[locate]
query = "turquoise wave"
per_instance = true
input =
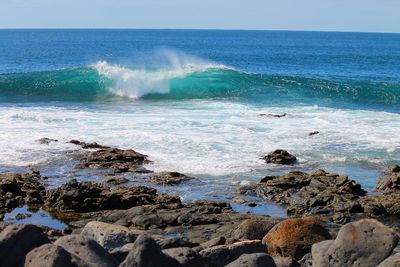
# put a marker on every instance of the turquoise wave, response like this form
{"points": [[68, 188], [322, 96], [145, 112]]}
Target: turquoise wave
{"points": [[88, 84]]}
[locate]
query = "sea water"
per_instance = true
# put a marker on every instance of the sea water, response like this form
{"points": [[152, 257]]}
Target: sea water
{"points": [[193, 101]]}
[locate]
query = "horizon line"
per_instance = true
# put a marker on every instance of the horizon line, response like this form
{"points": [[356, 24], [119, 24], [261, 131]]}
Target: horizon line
{"points": [[191, 29]]}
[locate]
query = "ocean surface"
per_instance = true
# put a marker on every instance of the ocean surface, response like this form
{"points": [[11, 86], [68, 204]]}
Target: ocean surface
{"points": [[192, 99]]}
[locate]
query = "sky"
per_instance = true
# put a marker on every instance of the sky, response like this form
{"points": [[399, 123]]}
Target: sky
{"points": [[320, 15]]}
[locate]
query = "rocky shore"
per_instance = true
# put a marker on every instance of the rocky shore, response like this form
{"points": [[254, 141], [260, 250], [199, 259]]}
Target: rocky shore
{"points": [[332, 220]]}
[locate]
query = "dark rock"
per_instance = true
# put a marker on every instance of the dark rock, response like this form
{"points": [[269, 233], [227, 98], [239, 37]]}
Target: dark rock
{"points": [[52, 255], [280, 156], [274, 115], [366, 242], [121, 253], [113, 158], [253, 260], [175, 242], [90, 196], [294, 237], [169, 178], [253, 229], [147, 253], [214, 242], [313, 133], [46, 141], [186, 257], [17, 189], [114, 180], [87, 250], [85, 145], [17, 240], [224, 254], [391, 182]]}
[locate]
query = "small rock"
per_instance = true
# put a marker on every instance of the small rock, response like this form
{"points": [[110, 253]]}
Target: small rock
{"points": [[175, 242], [115, 180], [186, 257], [253, 260], [214, 242], [274, 115], [121, 253], [366, 242], [294, 237], [147, 253], [169, 178], [109, 236], [313, 133], [280, 156], [17, 240], [87, 250], [52, 255], [85, 145], [252, 229], [46, 141]]}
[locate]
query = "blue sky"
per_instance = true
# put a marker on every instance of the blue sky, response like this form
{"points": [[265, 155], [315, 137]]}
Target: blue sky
{"points": [[327, 15]]}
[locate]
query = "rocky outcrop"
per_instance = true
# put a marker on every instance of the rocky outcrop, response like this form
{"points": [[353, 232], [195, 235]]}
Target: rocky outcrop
{"points": [[85, 145], [169, 178], [89, 196], [294, 237], [17, 240], [391, 182], [255, 228], [118, 160], [363, 243], [280, 156], [319, 192], [46, 141], [114, 180], [17, 189]]}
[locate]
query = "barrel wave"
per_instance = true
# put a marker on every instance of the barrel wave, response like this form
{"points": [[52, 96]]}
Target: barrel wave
{"points": [[106, 82]]}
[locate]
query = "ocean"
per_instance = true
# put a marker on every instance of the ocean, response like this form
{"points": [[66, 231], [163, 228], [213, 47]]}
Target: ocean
{"points": [[192, 100]]}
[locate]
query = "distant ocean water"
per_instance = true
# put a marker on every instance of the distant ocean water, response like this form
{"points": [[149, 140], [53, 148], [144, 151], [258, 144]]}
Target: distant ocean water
{"points": [[191, 100]]}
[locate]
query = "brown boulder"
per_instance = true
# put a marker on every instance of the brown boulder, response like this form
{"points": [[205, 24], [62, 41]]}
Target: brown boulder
{"points": [[294, 237], [280, 156]]}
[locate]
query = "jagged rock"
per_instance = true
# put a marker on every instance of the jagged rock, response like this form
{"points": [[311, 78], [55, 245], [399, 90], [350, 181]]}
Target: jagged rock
{"points": [[87, 250], [280, 156], [391, 182], [366, 242], [46, 141], [109, 236], [186, 257], [17, 189], [252, 229], [147, 253], [253, 260], [85, 145], [313, 133], [224, 254], [294, 237], [121, 253], [115, 180], [169, 178], [50, 255], [17, 240], [89, 196], [116, 159]]}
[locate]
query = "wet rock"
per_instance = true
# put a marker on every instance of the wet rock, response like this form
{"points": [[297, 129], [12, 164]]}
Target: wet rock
{"points": [[253, 260], [186, 257], [366, 242], [17, 189], [175, 242], [85, 145], [109, 236], [294, 237], [115, 180], [313, 133], [146, 253], [391, 182], [392, 261], [252, 229], [274, 115], [169, 178], [116, 159], [17, 240], [214, 242], [20, 216], [46, 141], [89, 196], [52, 255], [87, 250], [280, 156], [319, 192], [224, 254]]}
